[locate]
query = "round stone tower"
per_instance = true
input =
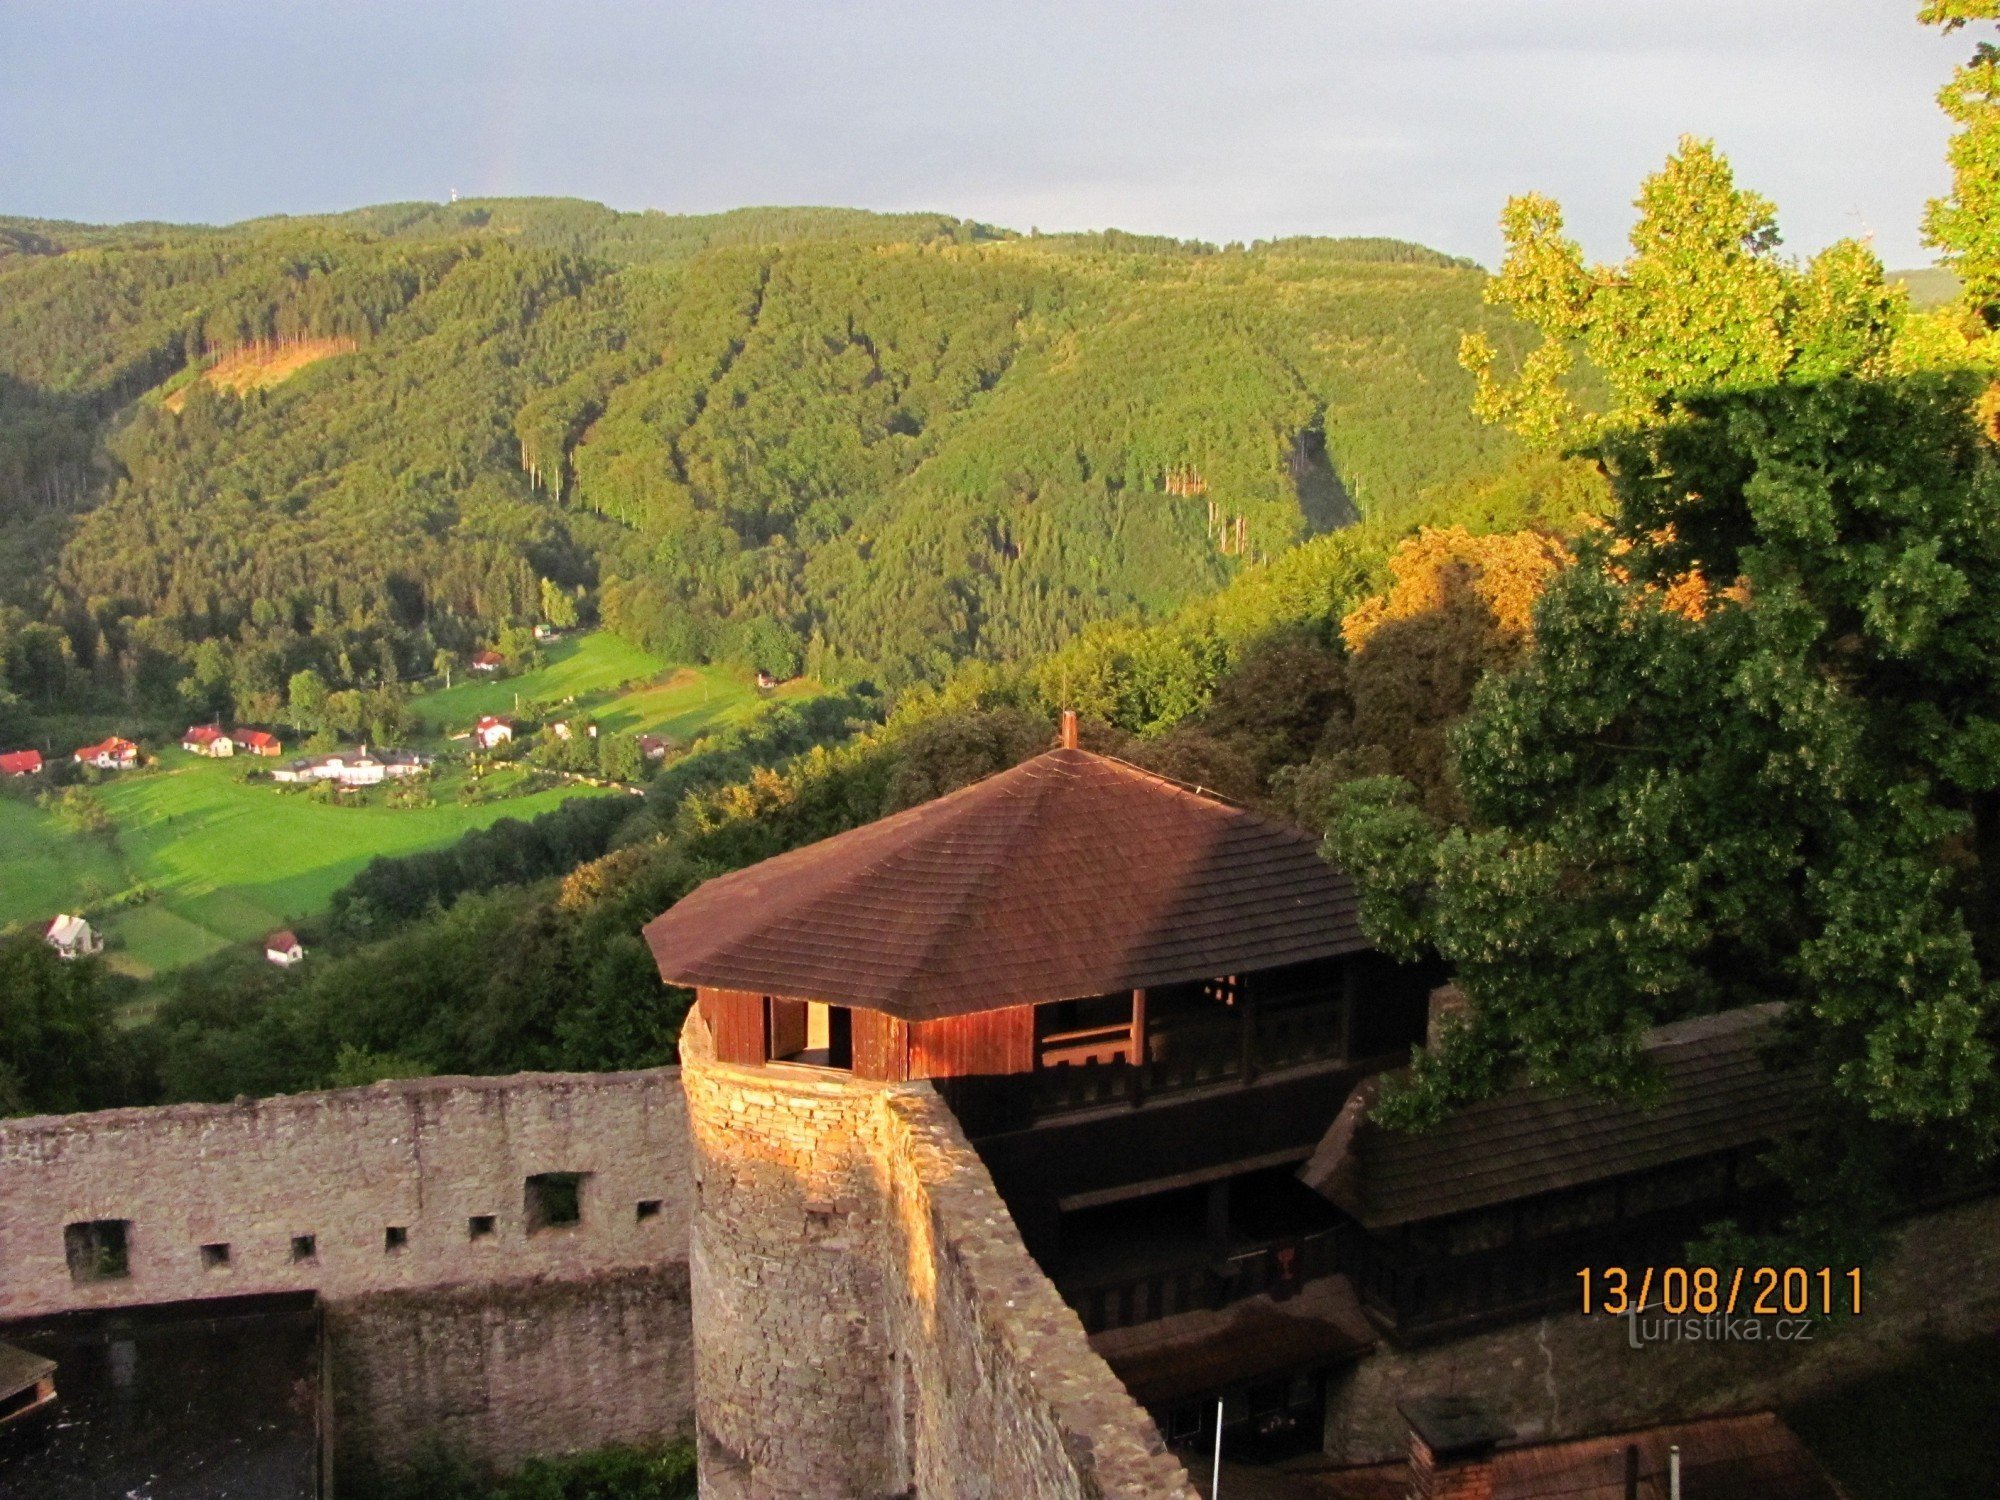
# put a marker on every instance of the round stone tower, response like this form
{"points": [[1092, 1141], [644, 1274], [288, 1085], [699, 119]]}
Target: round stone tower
{"points": [[796, 1386]]}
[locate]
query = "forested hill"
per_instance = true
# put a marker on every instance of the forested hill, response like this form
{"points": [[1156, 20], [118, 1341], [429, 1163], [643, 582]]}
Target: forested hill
{"points": [[812, 439]]}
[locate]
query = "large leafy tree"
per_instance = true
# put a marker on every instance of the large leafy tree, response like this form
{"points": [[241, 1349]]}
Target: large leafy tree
{"points": [[1754, 752]]}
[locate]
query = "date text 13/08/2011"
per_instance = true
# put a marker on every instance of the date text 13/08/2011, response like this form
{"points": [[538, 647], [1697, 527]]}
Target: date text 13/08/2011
{"points": [[1760, 1291]]}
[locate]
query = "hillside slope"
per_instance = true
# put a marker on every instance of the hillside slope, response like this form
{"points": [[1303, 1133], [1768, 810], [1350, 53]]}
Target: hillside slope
{"points": [[795, 438]]}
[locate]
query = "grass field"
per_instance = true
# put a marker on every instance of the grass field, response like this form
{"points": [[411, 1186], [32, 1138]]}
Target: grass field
{"points": [[232, 860], [44, 869], [229, 861], [628, 690]]}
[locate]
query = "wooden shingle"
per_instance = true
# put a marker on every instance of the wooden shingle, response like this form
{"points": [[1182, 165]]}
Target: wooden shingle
{"points": [[1071, 874]]}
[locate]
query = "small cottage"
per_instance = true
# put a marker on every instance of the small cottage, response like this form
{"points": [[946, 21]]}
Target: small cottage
{"points": [[209, 739], [283, 948], [72, 937], [491, 731], [113, 754], [21, 763]]}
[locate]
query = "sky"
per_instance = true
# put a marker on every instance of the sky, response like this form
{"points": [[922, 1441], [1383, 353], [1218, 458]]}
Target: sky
{"points": [[1228, 120]]}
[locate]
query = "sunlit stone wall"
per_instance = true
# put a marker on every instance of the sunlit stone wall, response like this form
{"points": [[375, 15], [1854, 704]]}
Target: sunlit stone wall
{"points": [[867, 1321]]}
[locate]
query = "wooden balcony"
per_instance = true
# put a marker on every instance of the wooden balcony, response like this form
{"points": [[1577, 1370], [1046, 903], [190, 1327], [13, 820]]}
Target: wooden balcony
{"points": [[1277, 1269], [1099, 1066]]}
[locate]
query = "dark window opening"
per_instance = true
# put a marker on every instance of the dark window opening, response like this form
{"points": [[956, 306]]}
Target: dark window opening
{"points": [[805, 1031], [214, 1257], [649, 1208], [35, 1395], [554, 1200], [305, 1247], [395, 1237], [98, 1249], [479, 1226]]}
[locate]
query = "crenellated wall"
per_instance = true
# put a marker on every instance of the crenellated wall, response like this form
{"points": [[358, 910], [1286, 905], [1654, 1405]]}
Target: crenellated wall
{"points": [[867, 1321]]}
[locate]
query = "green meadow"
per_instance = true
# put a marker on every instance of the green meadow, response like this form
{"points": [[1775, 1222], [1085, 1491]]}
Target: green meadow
{"points": [[229, 860], [629, 691]]}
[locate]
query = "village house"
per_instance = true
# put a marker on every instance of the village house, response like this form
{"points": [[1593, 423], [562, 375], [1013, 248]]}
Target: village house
{"points": [[21, 763], [546, 632], [72, 937], [1153, 1012], [488, 661], [113, 754], [652, 747], [259, 742], [209, 739], [491, 731], [283, 948], [354, 768]]}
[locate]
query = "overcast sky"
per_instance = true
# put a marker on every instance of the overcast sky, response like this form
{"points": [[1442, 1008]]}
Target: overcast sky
{"points": [[1234, 119]]}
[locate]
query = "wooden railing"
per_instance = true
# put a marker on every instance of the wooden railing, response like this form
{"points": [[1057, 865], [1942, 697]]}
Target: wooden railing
{"points": [[1090, 1069], [1278, 1268]]}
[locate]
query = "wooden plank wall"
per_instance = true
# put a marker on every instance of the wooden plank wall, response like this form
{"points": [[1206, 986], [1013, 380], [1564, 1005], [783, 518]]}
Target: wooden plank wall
{"points": [[979, 1045], [736, 1021], [881, 1046]]}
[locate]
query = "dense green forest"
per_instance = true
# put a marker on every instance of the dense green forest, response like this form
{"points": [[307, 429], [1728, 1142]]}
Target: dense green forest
{"points": [[858, 445]]}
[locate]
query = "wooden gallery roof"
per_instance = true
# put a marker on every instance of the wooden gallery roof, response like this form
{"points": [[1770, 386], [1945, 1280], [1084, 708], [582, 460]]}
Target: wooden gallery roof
{"points": [[1069, 875], [1719, 1095]]}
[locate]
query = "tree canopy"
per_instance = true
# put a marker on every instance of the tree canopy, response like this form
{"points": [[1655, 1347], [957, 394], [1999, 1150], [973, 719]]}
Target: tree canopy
{"points": [[1754, 751]]}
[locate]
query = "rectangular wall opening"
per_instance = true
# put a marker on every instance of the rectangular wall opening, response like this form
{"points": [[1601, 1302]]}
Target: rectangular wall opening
{"points": [[214, 1257], [305, 1247], [649, 1208], [554, 1200], [805, 1031], [395, 1237], [98, 1249], [479, 1226]]}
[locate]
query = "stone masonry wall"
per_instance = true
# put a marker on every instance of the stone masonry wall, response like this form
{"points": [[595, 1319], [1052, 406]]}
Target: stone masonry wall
{"points": [[503, 1343], [1567, 1375], [867, 1321], [512, 1370], [344, 1167]]}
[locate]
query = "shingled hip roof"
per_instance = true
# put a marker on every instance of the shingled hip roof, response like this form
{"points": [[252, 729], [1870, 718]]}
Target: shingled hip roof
{"points": [[1719, 1095], [1071, 874]]}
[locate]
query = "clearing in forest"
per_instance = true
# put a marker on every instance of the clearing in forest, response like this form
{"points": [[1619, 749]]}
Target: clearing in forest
{"points": [[256, 366]]}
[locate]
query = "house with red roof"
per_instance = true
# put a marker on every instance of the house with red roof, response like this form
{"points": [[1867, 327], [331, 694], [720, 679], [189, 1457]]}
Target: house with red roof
{"points": [[492, 730], [21, 763], [488, 661], [114, 754], [209, 739], [283, 948], [259, 742]]}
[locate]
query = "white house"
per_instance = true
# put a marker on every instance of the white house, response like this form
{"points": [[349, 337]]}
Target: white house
{"points": [[283, 948], [491, 731], [209, 739], [113, 754], [72, 937], [353, 767]]}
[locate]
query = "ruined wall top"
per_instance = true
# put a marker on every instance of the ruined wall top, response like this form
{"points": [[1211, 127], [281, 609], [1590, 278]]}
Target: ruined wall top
{"points": [[411, 1183]]}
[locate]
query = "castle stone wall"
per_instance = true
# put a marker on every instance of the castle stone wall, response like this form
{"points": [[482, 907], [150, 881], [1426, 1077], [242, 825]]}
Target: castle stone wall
{"points": [[502, 1343], [512, 1370], [867, 1321], [344, 1167]]}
